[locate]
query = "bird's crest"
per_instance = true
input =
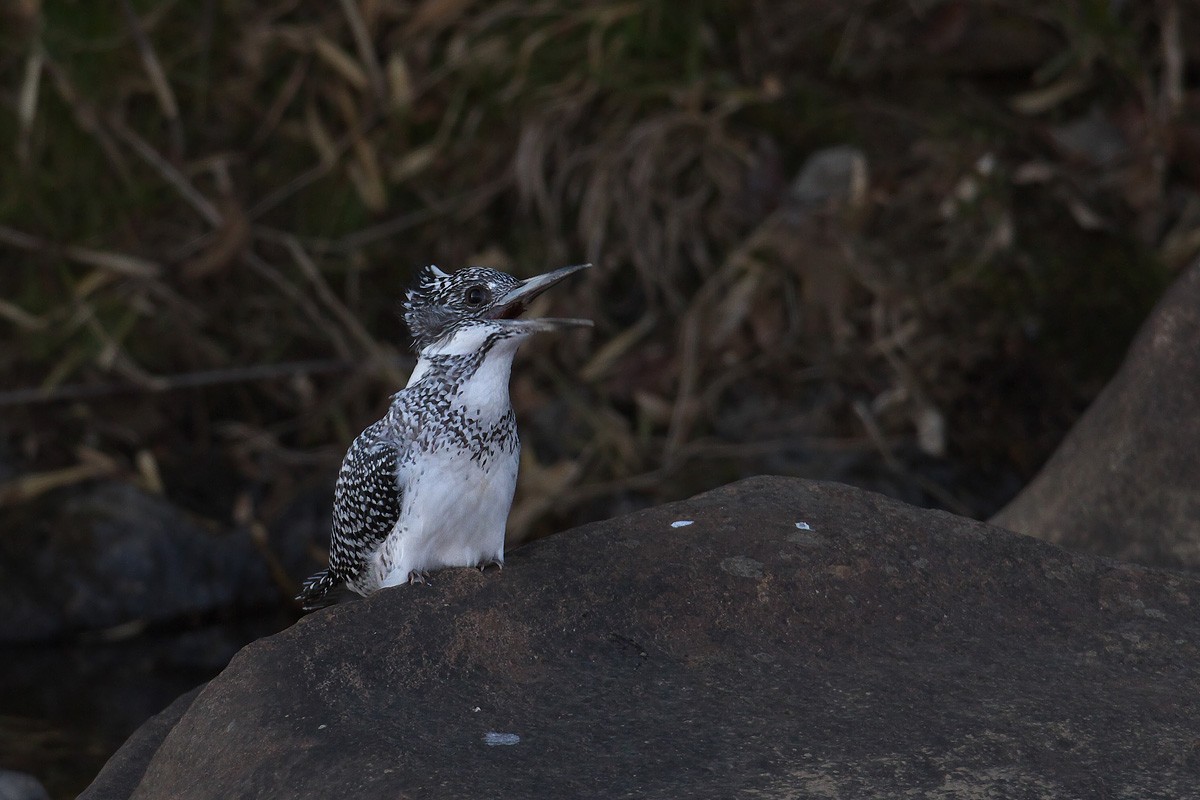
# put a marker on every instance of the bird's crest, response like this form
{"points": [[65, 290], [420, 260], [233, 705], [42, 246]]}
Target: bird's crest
{"points": [[430, 282], [425, 310]]}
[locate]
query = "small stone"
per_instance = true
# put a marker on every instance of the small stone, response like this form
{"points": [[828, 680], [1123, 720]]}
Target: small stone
{"points": [[832, 177]]}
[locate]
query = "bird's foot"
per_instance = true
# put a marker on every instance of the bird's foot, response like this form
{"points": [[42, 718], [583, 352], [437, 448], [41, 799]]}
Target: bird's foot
{"points": [[417, 576], [483, 565]]}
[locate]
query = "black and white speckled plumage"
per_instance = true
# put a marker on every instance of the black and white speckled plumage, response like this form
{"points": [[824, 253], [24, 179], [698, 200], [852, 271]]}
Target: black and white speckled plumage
{"points": [[438, 302], [430, 484]]}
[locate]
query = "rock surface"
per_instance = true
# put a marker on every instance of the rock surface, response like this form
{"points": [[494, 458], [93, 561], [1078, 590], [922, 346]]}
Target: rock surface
{"points": [[795, 639], [1125, 483], [128, 764]]}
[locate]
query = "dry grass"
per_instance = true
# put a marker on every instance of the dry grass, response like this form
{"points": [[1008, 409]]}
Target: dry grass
{"points": [[210, 210]]}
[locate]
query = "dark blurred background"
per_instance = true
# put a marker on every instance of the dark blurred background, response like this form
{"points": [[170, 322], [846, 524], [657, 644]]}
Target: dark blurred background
{"points": [[895, 244]]}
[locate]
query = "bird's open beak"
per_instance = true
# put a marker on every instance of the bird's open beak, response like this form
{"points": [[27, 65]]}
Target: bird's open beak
{"points": [[515, 301]]}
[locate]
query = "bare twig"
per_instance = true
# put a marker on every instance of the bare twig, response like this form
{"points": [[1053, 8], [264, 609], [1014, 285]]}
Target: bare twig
{"points": [[845, 48], [608, 355], [19, 239], [366, 51], [383, 230], [28, 487], [690, 356], [221, 250], [352, 241], [274, 277], [189, 193], [339, 60], [20, 317], [313, 174], [186, 380], [464, 204], [85, 117], [364, 171], [287, 94], [112, 355], [158, 77], [339, 310], [27, 102], [1171, 95], [112, 262]]}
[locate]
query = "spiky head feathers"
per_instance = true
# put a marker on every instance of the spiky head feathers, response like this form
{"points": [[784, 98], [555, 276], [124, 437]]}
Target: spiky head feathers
{"points": [[438, 301]]}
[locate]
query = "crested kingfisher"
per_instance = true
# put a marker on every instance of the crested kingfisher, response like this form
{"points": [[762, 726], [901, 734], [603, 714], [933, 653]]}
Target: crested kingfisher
{"points": [[430, 485]]}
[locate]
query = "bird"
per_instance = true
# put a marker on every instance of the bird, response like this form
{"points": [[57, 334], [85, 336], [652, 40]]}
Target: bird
{"points": [[430, 484]]}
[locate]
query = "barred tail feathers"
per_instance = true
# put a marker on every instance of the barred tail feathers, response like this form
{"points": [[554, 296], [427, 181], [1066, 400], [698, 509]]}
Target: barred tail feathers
{"points": [[314, 593]]}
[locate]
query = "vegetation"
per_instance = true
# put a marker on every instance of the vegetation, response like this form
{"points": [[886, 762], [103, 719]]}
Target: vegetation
{"points": [[210, 210]]}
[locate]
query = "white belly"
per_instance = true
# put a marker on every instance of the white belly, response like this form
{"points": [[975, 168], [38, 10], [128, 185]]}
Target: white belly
{"points": [[453, 515]]}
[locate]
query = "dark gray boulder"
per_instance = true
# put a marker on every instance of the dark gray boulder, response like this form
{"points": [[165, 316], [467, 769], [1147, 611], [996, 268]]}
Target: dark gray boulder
{"points": [[795, 639], [126, 766], [1125, 482], [109, 553]]}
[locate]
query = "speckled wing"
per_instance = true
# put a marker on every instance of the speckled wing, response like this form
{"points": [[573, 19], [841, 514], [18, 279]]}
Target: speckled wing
{"points": [[366, 503]]}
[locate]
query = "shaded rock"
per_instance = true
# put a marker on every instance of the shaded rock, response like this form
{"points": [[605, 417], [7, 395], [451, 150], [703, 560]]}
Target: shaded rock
{"points": [[1092, 139], [126, 766], [19, 786], [835, 176], [1125, 482], [110, 553], [102, 691], [795, 639]]}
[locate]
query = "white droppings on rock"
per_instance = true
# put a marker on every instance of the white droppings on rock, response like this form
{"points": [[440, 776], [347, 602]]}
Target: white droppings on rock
{"points": [[492, 739], [682, 523]]}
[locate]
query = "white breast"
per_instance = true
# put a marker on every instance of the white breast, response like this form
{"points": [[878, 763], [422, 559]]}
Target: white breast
{"points": [[454, 509], [454, 515]]}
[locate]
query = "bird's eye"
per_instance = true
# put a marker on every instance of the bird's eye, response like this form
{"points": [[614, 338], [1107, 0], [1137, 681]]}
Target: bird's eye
{"points": [[476, 296]]}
